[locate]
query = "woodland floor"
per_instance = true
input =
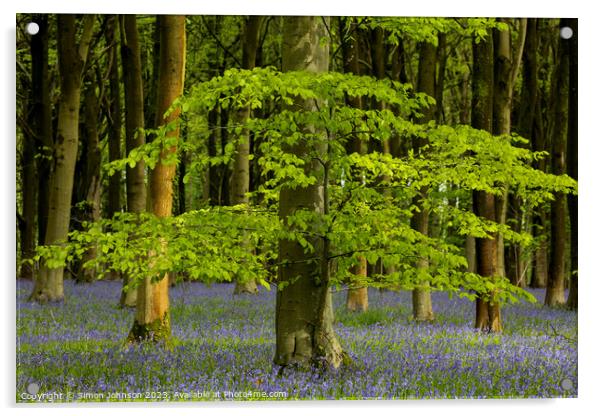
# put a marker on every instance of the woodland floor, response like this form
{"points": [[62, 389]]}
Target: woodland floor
{"points": [[224, 347]]}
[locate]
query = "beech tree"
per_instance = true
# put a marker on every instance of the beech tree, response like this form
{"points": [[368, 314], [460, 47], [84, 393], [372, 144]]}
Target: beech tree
{"points": [[240, 172], [304, 307], [152, 307], [72, 55], [558, 216], [134, 129]]}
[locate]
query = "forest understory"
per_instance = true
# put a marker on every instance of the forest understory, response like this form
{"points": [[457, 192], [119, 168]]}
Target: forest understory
{"points": [[226, 344]]}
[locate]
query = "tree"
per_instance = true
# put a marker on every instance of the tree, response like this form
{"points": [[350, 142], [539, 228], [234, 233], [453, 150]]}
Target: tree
{"points": [[572, 162], [114, 114], [134, 125], [152, 308], [72, 57], [240, 171], [422, 306], [357, 297], [87, 184], [517, 264], [506, 67], [304, 331], [558, 216], [488, 315], [38, 133]]}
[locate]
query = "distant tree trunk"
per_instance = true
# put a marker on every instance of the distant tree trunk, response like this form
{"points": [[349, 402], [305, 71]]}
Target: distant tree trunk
{"points": [[516, 263], [506, 68], [555, 287], [28, 179], [87, 197], [540, 224], [152, 309], [42, 112], [572, 162], [72, 57], [357, 297], [427, 72], [488, 316], [134, 122], [213, 176], [441, 68], [240, 171], [39, 120], [304, 317], [114, 205]]}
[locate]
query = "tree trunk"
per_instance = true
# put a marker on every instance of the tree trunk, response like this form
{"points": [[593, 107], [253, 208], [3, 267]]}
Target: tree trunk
{"points": [[114, 204], [87, 197], [572, 163], [304, 317], [421, 296], [517, 260], [488, 317], [71, 57], [152, 308], [40, 122], [240, 172], [555, 287], [357, 297], [43, 120], [506, 67], [134, 123]]}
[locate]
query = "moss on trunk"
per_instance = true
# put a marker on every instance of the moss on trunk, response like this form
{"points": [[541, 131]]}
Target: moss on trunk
{"points": [[158, 330]]}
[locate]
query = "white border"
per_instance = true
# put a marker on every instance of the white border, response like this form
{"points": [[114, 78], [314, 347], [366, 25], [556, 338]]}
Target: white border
{"points": [[589, 155]]}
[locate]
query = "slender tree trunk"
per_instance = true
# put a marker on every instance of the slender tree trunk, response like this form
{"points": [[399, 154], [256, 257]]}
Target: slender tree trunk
{"points": [[517, 259], [555, 287], [488, 316], [304, 331], [213, 176], [541, 217], [72, 58], [506, 67], [357, 297], [152, 308], [427, 72], [572, 163], [441, 68], [42, 112], [240, 172], [39, 120], [88, 194], [114, 205], [134, 123]]}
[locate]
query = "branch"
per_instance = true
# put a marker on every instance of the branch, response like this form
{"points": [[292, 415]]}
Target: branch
{"points": [[86, 38], [518, 52], [220, 44]]}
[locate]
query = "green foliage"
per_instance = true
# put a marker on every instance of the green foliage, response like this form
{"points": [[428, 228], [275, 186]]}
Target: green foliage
{"points": [[427, 29], [370, 195]]}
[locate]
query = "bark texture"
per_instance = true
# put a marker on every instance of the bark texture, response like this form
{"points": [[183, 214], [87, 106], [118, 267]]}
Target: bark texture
{"points": [[72, 57], [558, 215], [134, 122], [304, 331], [422, 306], [240, 173], [152, 308], [488, 316], [572, 162], [357, 297]]}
